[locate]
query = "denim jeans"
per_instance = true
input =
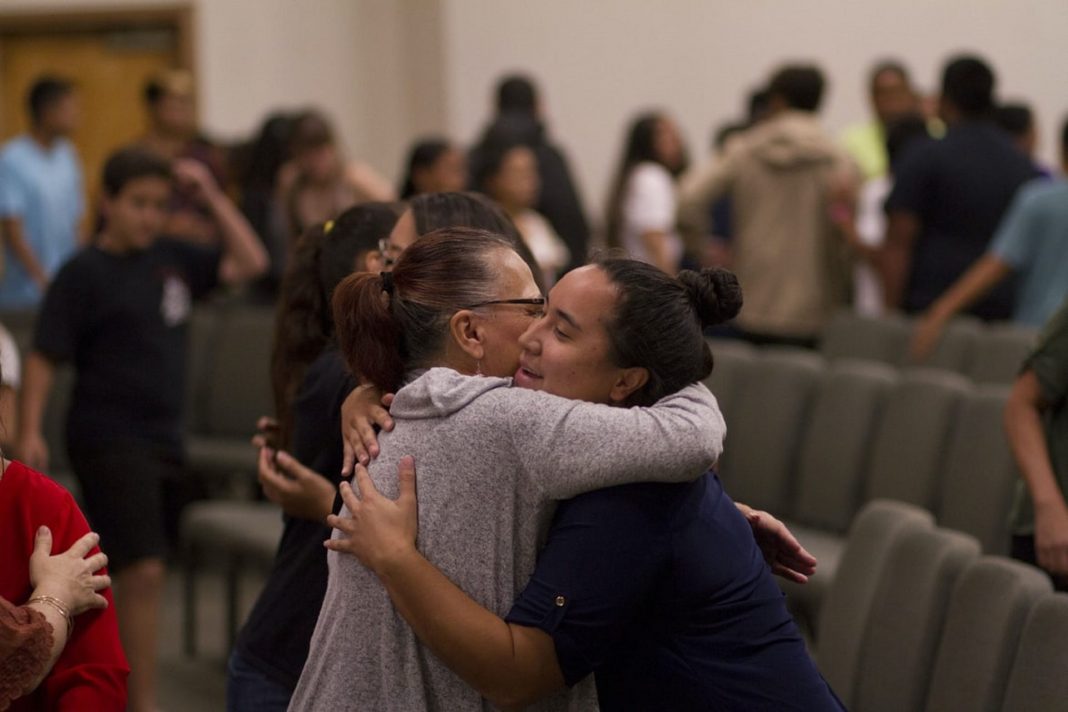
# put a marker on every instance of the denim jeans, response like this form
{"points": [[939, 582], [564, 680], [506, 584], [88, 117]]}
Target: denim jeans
{"points": [[249, 690]]}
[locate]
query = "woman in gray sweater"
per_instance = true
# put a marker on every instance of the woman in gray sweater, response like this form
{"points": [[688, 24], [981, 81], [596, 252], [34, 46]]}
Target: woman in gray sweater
{"points": [[496, 459]]}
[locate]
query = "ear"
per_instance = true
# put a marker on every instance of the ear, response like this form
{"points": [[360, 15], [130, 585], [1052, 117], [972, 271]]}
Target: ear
{"points": [[467, 333], [627, 382]]}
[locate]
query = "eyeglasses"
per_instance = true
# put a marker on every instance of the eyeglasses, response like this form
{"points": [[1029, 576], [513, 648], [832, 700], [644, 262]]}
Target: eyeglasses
{"points": [[538, 301]]}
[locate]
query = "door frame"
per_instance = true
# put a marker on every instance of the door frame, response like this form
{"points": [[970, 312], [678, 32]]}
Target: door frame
{"points": [[57, 19]]}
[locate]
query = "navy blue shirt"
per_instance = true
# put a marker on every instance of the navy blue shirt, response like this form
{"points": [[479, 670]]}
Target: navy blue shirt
{"points": [[661, 592], [958, 187]]}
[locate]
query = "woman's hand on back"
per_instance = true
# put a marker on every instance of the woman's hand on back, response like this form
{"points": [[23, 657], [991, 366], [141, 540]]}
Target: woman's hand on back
{"points": [[69, 577], [362, 410], [782, 552], [378, 531]]}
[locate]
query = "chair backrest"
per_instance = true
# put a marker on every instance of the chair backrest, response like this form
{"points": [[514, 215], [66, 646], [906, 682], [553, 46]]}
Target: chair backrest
{"points": [[1038, 680], [851, 335], [986, 616], [238, 373], [980, 474], [905, 624], [730, 357], [847, 605], [837, 442], [955, 351], [764, 430], [911, 439], [1000, 351]]}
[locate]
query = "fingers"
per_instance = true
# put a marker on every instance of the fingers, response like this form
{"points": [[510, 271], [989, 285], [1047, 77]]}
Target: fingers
{"points": [[788, 574], [98, 601], [348, 496], [43, 543], [97, 561], [365, 431], [387, 402], [259, 440], [348, 459], [354, 440], [294, 467], [406, 475], [364, 485], [266, 423], [382, 418], [99, 583], [84, 545]]}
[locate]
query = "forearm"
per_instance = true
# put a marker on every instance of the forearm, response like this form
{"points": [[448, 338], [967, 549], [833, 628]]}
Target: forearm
{"points": [[498, 660], [970, 287], [244, 256], [36, 385], [577, 447], [16, 240], [1027, 439], [58, 623]]}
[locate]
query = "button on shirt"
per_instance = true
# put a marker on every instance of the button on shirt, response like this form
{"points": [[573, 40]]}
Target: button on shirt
{"points": [[42, 188]]}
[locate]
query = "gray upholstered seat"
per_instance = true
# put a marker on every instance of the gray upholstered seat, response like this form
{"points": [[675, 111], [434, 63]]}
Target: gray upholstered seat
{"points": [[999, 353], [730, 358], [979, 475], [906, 618], [986, 616], [851, 335], [765, 427], [847, 605], [1038, 680], [955, 351]]}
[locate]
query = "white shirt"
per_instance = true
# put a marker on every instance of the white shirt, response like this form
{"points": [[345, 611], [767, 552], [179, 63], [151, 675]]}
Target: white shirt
{"points": [[649, 204], [871, 229]]}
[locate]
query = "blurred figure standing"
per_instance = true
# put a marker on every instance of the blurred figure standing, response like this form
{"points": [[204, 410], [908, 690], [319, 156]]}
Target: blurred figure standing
{"points": [[558, 201], [643, 203], [434, 165], [42, 198], [892, 97]]}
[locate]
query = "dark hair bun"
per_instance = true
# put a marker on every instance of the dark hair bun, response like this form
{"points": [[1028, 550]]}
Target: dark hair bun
{"points": [[715, 294]]}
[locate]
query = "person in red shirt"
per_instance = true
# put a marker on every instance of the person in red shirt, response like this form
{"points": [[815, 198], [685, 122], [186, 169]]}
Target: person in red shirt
{"points": [[90, 673]]}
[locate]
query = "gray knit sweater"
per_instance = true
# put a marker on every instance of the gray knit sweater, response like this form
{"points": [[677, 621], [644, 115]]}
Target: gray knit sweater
{"points": [[491, 460]]}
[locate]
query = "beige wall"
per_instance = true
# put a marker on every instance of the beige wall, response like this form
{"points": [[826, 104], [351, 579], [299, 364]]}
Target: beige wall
{"points": [[387, 70], [601, 61]]}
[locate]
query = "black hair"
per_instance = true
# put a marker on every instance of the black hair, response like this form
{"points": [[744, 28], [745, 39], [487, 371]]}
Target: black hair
{"points": [[324, 256], [658, 322], [757, 106], [901, 133], [439, 211], [516, 93], [640, 147], [800, 86], [129, 164], [424, 154], [491, 157], [1064, 138], [968, 83], [887, 65], [45, 93], [1014, 119], [267, 152]]}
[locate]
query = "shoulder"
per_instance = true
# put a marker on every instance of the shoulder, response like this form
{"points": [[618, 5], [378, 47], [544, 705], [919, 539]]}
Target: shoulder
{"points": [[37, 492]]}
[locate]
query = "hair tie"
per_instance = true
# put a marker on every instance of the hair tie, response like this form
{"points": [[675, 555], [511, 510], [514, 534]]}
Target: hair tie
{"points": [[328, 227], [387, 282]]}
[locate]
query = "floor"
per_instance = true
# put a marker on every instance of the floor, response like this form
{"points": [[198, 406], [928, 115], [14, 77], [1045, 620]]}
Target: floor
{"points": [[197, 684]]}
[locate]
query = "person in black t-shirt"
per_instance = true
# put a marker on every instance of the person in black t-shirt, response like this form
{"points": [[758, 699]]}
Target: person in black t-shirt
{"points": [[949, 197], [118, 311]]}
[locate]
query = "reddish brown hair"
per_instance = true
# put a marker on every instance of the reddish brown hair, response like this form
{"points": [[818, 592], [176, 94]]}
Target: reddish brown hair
{"points": [[383, 335]]}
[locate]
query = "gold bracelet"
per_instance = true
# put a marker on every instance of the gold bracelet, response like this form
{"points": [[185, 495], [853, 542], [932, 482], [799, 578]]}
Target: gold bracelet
{"points": [[59, 606]]}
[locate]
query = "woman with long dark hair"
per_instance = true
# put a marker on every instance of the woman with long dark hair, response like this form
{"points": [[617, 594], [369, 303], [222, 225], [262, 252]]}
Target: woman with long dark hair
{"points": [[641, 206], [434, 165]]}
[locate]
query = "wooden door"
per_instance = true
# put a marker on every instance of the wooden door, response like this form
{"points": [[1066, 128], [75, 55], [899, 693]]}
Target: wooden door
{"points": [[109, 68]]}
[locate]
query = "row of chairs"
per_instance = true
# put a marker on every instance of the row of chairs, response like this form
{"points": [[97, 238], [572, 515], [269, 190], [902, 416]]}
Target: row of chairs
{"points": [[812, 441], [985, 353], [918, 620]]}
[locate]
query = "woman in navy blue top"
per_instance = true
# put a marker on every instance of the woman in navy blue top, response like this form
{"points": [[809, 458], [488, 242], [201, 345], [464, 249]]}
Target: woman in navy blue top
{"points": [[659, 590]]}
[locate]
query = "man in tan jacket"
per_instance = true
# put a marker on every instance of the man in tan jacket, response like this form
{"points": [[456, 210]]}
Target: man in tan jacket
{"points": [[782, 177]]}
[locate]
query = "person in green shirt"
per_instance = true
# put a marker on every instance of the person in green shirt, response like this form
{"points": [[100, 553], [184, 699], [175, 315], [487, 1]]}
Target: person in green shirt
{"points": [[892, 96], [1036, 421]]}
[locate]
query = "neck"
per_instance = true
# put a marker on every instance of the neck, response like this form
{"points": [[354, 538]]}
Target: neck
{"points": [[44, 136], [109, 242]]}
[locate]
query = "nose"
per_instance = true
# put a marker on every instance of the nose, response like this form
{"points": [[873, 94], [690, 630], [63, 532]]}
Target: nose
{"points": [[528, 341]]}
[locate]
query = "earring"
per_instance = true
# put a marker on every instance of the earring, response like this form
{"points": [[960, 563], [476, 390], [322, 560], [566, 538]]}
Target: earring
{"points": [[478, 368]]}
